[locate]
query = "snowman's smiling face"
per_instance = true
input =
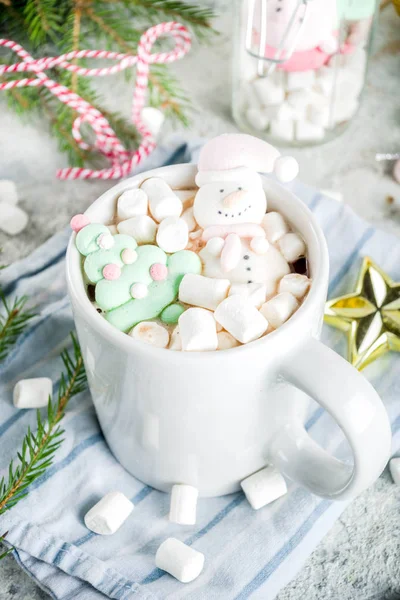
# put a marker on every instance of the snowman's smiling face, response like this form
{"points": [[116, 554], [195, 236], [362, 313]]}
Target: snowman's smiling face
{"points": [[229, 203]]}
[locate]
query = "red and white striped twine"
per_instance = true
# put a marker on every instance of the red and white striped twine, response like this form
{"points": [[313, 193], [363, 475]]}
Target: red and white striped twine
{"points": [[106, 140]]}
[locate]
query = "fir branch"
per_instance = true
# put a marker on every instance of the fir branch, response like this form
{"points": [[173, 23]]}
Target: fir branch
{"points": [[38, 449], [42, 19], [6, 552], [12, 322]]}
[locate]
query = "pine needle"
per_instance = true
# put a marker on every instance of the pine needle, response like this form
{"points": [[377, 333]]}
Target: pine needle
{"points": [[13, 321], [38, 449]]}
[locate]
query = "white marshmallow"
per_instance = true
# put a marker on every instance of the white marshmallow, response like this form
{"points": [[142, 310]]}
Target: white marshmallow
{"points": [[295, 284], [226, 341], [183, 504], [13, 219], [153, 119], [325, 81], [286, 168], [259, 245], [308, 132], [257, 118], [205, 292], [214, 246], [172, 234], [197, 329], [32, 393], [299, 99], [283, 130], [132, 203], [8, 191], [264, 487], [241, 319], [394, 466], [298, 80], [186, 197], [175, 340], [105, 241], [279, 309], [107, 516], [152, 333], [275, 226], [255, 293], [139, 290], [320, 116], [189, 219], [292, 246], [163, 202], [267, 92], [142, 228], [179, 560], [345, 110], [287, 112]]}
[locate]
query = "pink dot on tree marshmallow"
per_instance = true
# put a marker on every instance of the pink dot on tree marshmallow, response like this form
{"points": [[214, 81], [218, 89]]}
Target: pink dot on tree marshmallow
{"points": [[111, 272], [158, 272], [78, 222]]}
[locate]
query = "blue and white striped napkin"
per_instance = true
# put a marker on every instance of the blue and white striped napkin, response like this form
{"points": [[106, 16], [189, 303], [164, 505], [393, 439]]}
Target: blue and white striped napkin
{"points": [[248, 553]]}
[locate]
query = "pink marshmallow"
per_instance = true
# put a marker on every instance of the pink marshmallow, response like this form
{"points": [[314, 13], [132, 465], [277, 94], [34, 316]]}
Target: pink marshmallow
{"points": [[158, 272], [78, 222], [111, 272], [231, 253], [243, 230]]}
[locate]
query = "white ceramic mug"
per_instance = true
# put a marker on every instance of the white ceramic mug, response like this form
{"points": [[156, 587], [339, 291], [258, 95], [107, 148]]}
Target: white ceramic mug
{"points": [[211, 419]]}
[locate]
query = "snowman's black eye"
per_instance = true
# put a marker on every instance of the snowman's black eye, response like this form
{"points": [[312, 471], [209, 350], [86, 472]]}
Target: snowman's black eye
{"points": [[221, 191], [240, 189]]}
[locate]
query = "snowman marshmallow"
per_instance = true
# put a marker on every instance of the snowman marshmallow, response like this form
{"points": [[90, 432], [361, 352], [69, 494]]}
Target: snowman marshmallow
{"points": [[230, 206]]}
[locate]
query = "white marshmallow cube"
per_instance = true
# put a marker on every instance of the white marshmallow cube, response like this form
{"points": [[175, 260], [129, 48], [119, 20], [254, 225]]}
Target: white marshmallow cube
{"points": [[107, 516], [189, 219], [205, 292], [241, 319], [226, 341], [292, 246], [308, 132], [255, 293], [257, 118], [274, 226], [142, 228], [299, 99], [264, 487], [278, 310], [268, 92], [179, 560], [163, 202], [153, 119], [151, 333], [394, 466], [283, 130], [183, 504], [296, 284], [286, 168], [8, 191], [197, 329], [13, 219], [132, 203], [175, 342], [298, 80], [172, 234], [32, 393]]}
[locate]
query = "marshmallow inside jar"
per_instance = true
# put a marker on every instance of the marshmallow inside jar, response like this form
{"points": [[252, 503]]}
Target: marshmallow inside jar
{"points": [[151, 273]]}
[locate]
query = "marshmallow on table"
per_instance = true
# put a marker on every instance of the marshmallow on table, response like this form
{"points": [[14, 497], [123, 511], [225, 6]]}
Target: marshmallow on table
{"points": [[172, 234], [257, 118], [8, 191], [183, 504], [107, 516], [32, 393], [394, 466], [175, 342], [132, 203], [298, 80], [282, 129], [13, 219], [189, 219], [296, 284], [286, 168], [268, 92], [163, 202], [241, 319], [292, 246], [255, 293], [205, 292], [226, 341], [274, 226], [151, 333], [179, 560], [197, 329], [153, 119], [264, 487], [279, 309], [142, 228]]}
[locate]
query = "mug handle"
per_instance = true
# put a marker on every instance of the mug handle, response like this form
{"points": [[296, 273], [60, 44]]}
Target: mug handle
{"points": [[356, 407]]}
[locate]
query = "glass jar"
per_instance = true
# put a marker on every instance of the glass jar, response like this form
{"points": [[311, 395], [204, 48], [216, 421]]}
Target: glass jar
{"points": [[300, 66]]}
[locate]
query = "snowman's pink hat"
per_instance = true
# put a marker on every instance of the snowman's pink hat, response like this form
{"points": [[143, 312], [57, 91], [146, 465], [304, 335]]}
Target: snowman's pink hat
{"points": [[233, 155]]}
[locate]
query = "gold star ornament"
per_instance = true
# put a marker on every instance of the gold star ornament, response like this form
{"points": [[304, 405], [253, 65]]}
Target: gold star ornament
{"points": [[370, 316]]}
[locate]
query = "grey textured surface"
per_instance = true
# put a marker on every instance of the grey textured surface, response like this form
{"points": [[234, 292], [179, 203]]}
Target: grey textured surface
{"points": [[360, 558]]}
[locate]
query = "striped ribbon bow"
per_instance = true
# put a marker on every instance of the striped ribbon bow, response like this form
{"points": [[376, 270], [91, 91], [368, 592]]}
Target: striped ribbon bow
{"points": [[121, 160]]}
